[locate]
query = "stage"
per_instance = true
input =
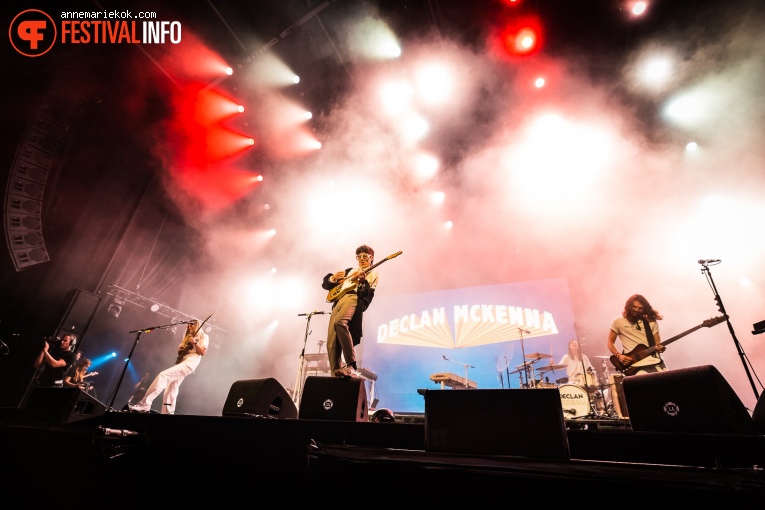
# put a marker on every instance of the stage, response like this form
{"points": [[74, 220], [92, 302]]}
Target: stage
{"points": [[129, 459]]}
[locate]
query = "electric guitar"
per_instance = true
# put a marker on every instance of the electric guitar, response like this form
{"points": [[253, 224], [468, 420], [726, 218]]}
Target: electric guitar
{"points": [[349, 284], [187, 346], [641, 351]]}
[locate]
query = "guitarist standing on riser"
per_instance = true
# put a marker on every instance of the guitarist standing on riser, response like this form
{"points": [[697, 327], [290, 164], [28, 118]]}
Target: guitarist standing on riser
{"points": [[630, 328], [345, 322]]}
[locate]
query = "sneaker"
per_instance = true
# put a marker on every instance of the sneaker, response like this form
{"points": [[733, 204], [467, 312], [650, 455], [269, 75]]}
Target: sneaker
{"points": [[137, 409], [347, 371]]}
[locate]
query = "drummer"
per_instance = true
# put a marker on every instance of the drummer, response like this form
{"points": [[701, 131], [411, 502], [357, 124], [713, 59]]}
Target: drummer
{"points": [[577, 365]]}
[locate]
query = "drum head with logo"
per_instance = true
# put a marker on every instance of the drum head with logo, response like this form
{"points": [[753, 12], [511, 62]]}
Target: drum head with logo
{"points": [[574, 401]]}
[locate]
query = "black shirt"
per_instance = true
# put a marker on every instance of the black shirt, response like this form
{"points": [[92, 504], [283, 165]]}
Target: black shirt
{"points": [[51, 376]]}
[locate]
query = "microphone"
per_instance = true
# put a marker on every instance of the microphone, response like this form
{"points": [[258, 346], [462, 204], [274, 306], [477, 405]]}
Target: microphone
{"points": [[708, 261], [524, 331], [569, 411], [444, 356]]}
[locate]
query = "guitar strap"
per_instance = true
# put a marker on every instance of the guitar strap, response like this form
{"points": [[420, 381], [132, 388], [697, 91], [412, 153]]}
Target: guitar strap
{"points": [[648, 333]]}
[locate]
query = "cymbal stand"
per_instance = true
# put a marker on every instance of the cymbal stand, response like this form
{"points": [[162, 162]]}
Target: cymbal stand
{"points": [[523, 353], [608, 406]]}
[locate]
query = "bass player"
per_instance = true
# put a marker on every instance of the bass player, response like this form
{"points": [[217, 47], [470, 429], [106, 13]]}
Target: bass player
{"points": [[356, 289], [637, 328]]}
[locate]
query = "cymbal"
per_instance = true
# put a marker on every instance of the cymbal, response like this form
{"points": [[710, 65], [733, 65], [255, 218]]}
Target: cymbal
{"points": [[547, 368], [538, 355]]}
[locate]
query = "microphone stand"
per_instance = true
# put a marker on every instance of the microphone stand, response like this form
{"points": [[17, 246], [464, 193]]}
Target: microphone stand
{"points": [[297, 391], [465, 365], [507, 371], [718, 299], [138, 332]]}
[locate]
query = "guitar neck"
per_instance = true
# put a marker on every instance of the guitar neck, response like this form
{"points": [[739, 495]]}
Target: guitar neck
{"points": [[383, 260], [647, 352]]}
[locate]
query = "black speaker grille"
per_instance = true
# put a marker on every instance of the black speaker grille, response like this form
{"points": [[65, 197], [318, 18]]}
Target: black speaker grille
{"points": [[334, 398], [519, 422], [688, 400]]}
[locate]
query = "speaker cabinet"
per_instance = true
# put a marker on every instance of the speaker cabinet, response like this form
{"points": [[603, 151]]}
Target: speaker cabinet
{"points": [[62, 406], [259, 397], [692, 400], [334, 398], [520, 422]]}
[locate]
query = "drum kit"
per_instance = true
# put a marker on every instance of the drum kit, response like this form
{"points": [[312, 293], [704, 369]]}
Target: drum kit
{"points": [[588, 396]]}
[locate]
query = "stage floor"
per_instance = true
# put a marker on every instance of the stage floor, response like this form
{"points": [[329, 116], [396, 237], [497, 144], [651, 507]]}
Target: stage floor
{"points": [[260, 459]]}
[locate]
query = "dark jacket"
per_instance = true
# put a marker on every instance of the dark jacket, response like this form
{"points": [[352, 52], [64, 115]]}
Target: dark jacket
{"points": [[364, 294]]}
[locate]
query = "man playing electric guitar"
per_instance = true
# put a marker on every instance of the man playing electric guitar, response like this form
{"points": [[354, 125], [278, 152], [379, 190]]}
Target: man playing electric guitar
{"points": [[637, 327], [190, 352], [345, 323]]}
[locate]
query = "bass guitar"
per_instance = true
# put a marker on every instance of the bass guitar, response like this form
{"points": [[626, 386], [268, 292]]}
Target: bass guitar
{"points": [[642, 352], [349, 284]]}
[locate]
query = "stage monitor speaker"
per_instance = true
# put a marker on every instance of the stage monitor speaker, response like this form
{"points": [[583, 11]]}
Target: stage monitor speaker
{"points": [[688, 400], [334, 398], [62, 406], [518, 422], [265, 398]]}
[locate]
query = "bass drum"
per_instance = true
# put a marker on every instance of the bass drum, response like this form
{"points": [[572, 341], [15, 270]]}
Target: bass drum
{"points": [[574, 401]]}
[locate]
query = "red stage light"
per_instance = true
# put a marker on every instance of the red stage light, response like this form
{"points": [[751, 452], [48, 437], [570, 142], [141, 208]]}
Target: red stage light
{"points": [[519, 37]]}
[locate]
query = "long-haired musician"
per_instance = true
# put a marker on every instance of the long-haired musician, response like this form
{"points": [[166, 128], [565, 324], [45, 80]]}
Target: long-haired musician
{"points": [[190, 352], [637, 327]]}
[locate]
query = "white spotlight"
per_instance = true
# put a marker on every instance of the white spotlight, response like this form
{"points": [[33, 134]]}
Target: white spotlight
{"points": [[449, 225], [296, 79], [691, 146], [438, 197], [639, 8], [229, 71], [539, 83]]}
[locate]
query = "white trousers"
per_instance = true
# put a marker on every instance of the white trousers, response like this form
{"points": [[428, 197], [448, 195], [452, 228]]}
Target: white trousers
{"points": [[169, 381]]}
